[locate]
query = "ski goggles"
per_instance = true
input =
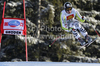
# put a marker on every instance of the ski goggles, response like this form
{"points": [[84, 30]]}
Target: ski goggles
{"points": [[68, 9]]}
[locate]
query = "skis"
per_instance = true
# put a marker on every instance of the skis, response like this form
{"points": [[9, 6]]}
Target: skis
{"points": [[88, 44]]}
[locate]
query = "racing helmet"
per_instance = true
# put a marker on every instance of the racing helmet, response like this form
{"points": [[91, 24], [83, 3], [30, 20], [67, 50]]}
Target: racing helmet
{"points": [[67, 6]]}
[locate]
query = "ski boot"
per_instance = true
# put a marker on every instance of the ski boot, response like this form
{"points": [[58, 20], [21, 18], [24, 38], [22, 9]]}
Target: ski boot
{"points": [[88, 38], [81, 41]]}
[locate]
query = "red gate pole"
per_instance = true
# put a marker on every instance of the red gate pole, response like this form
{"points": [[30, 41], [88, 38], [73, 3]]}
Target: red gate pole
{"points": [[26, 32], [0, 24], [3, 10]]}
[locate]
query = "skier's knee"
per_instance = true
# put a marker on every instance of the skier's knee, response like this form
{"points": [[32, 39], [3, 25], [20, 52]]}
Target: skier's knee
{"points": [[77, 25]]}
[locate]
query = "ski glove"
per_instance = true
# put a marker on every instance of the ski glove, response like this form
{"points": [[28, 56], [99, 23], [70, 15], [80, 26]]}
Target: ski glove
{"points": [[83, 18]]}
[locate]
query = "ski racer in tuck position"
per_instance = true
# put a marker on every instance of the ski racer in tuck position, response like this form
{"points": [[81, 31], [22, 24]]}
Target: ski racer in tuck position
{"points": [[70, 24]]}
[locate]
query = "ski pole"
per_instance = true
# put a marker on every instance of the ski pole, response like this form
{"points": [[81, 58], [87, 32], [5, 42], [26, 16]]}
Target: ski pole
{"points": [[55, 40], [94, 28]]}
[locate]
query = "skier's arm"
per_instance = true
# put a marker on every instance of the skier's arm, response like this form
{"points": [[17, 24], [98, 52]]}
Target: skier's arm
{"points": [[63, 21], [80, 18]]}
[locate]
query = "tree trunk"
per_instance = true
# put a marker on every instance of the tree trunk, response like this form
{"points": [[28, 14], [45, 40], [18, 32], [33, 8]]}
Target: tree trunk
{"points": [[38, 25]]}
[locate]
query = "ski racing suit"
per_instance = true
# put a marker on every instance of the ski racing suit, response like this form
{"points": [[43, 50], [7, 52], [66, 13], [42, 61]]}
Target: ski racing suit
{"points": [[70, 24]]}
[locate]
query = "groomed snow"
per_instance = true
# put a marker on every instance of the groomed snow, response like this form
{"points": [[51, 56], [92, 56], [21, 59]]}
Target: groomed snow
{"points": [[47, 64]]}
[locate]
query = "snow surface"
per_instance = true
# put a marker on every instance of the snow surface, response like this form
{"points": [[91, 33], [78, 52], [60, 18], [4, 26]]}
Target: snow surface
{"points": [[47, 64]]}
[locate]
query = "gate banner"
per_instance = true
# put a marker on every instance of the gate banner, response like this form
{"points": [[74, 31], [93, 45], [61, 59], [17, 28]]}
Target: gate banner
{"points": [[13, 26]]}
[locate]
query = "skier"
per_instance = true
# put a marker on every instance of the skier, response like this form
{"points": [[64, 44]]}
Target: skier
{"points": [[70, 24]]}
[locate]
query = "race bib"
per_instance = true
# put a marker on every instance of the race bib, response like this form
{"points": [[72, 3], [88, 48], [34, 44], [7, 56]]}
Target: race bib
{"points": [[70, 17]]}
